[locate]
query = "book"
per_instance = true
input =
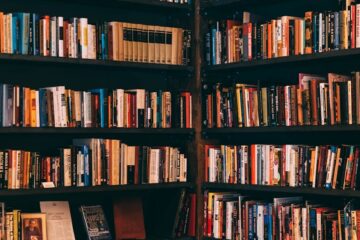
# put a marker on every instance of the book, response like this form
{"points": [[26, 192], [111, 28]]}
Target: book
{"points": [[95, 222], [128, 218], [58, 220]]}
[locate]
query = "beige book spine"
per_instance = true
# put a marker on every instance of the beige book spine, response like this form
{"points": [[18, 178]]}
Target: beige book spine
{"points": [[151, 45], [157, 43], [145, 40], [168, 50], [162, 44], [174, 43]]}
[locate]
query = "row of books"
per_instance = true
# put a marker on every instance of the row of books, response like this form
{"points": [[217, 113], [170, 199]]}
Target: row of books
{"points": [[92, 162], [32, 34], [314, 101], [233, 216], [60, 107], [254, 37], [330, 167]]}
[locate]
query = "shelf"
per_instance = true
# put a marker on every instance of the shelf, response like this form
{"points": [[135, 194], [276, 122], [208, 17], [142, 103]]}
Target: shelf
{"points": [[109, 3], [275, 7], [73, 62], [105, 131], [283, 129], [337, 134], [93, 190], [348, 54], [273, 190]]}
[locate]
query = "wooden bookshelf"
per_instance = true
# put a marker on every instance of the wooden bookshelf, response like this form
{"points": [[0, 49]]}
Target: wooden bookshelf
{"points": [[85, 74]]}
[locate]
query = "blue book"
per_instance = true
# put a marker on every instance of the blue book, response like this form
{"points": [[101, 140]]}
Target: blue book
{"points": [[270, 221], [86, 153], [159, 112], [213, 46], [316, 33], [35, 34], [20, 29], [337, 31], [43, 108], [15, 33], [102, 93]]}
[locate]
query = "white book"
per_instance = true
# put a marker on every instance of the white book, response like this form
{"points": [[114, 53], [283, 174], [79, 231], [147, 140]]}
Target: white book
{"points": [[320, 31], [60, 36], [79, 168], [260, 222], [120, 107], [330, 168], [304, 223], [58, 220], [229, 218], [87, 109], [84, 37], [62, 106]]}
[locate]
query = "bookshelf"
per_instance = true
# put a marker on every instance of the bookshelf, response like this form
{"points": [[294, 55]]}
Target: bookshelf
{"points": [[267, 72], [85, 74]]}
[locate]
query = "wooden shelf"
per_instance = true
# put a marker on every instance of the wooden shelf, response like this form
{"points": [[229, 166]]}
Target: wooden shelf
{"points": [[75, 62], [338, 134], [108, 3], [273, 190], [282, 129], [349, 54], [96, 131], [92, 190]]}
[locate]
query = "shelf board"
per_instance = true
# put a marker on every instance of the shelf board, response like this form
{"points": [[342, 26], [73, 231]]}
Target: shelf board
{"points": [[28, 59], [249, 189], [311, 135], [113, 3], [96, 131], [282, 129], [349, 54], [93, 190]]}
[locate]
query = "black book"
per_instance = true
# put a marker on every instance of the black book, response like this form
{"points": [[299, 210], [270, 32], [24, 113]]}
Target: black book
{"points": [[292, 37], [223, 51]]}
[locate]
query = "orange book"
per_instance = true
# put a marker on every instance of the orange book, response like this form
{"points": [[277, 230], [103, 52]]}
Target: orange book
{"points": [[2, 33], [270, 42], [33, 108], [297, 36], [308, 32]]}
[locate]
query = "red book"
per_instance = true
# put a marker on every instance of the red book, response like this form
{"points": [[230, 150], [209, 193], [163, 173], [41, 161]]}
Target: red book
{"points": [[129, 218], [192, 219], [353, 25], [253, 164]]}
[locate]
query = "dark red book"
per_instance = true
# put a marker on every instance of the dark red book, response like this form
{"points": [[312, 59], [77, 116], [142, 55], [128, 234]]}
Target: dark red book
{"points": [[192, 219], [129, 218]]}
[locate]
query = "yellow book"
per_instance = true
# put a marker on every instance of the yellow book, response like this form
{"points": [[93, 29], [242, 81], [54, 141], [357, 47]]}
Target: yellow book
{"points": [[145, 43], [157, 37], [151, 44], [162, 44], [168, 47]]}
